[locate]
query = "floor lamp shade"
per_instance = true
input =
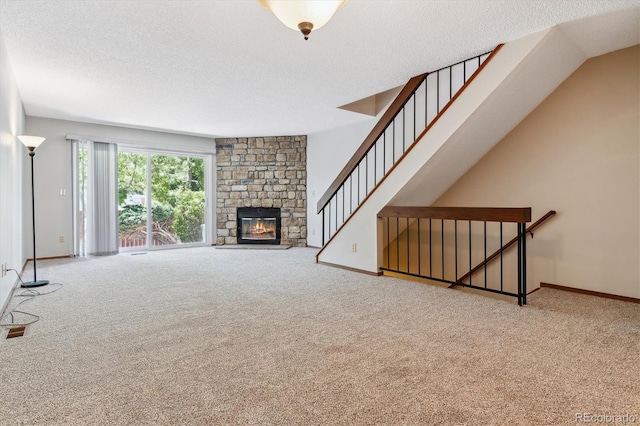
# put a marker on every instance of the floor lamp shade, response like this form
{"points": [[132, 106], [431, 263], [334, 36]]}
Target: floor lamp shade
{"points": [[32, 142]]}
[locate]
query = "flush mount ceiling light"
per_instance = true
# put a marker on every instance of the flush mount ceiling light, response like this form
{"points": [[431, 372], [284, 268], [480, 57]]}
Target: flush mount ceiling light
{"points": [[303, 15]]}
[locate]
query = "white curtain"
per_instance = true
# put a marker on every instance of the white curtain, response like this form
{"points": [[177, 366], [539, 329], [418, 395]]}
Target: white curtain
{"points": [[96, 180]]}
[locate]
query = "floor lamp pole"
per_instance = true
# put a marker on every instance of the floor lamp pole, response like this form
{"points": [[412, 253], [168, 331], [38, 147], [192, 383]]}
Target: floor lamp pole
{"points": [[35, 282]]}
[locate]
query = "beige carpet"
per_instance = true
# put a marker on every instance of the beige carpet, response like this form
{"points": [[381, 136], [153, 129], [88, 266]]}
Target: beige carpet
{"points": [[204, 336]]}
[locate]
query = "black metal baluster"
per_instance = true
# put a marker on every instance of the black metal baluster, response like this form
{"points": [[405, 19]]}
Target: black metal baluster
{"points": [[351, 208], [419, 256], [442, 244], [470, 263], [329, 211], [485, 254], [336, 211], [388, 243], [501, 250], [384, 153], [519, 265], [430, 251], [455, 248], [408, 251], [393, 146], [450, 83], [366, 174], [524, 263], [404, 125], [397, 244], [375, 163], [343, 198], [464, 72], [426, 102], [438, 93], [358, 184], [323, 215], [414, 122]]}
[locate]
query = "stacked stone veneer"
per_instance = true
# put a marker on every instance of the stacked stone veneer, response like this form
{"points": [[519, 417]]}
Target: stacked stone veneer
{"points": [[262, 172]]}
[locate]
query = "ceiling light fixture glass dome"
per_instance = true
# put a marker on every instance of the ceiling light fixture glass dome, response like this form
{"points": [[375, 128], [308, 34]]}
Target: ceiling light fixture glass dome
{"points": [[303, 15]]}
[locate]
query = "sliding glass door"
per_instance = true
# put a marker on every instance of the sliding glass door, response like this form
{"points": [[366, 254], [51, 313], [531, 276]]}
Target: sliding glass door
{"points": [[161, 199], [155, 199]]}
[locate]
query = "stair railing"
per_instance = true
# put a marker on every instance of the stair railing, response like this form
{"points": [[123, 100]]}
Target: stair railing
{"points": [[437, 243], [416, 108], [503, 248]]}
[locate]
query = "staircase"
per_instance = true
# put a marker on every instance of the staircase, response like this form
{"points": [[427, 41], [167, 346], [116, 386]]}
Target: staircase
{"points": [[418, 106], [441, 124]]}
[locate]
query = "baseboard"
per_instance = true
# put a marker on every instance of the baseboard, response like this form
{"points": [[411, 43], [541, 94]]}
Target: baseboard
{"points": [[348, 268], [590, 292], [534, 290]]}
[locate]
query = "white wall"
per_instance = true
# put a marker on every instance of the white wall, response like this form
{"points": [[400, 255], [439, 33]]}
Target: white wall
{"points": [[53, 165], [327, 153], [12, 156]]}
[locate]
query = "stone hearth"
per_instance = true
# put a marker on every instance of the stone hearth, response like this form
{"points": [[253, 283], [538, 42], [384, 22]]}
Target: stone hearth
{"points": [[262, 172]]}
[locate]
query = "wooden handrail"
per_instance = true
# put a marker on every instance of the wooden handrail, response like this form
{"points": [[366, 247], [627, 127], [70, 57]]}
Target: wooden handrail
{"points": [[488, 214], [482, 264], [386, 119]]}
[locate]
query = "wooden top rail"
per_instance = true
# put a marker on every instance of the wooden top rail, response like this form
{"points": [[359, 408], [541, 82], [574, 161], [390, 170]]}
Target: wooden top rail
{"points": [[386, 119], [488, 214]]}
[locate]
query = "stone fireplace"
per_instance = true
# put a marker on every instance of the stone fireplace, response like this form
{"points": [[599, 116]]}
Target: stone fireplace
{"points": [[262, 173]]}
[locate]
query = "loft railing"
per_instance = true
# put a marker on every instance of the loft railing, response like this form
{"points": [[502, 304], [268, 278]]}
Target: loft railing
{"points": [[416, 108], [504, 248], [438, 243]]}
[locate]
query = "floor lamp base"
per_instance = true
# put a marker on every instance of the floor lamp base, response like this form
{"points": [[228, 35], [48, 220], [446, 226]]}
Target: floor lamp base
{"points": [[31, 284]]}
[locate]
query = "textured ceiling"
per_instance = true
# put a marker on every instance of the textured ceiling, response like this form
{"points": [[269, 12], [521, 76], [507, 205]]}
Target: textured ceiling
{"points": [[230, 68]]}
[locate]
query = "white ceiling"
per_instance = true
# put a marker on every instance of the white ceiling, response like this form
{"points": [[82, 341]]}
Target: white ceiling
{"points": [[230, 68]]}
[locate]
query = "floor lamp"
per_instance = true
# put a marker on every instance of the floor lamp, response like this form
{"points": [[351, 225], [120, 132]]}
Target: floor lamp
{"points": [[32, 142]]}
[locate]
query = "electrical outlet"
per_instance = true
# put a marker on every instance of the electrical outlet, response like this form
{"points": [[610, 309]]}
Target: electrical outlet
{"points": [[354, 247], [61, 239], [4, 269]]}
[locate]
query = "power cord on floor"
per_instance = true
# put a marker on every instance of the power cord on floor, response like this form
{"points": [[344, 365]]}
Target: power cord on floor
{"points": [[28, 294]]}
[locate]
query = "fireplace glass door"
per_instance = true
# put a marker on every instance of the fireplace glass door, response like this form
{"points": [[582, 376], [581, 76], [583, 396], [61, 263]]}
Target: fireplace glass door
{"points": [[259, 228], [259, 225]]}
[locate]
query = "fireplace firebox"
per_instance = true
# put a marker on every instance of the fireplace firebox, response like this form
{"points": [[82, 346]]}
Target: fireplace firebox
{"points": [[258, 225]]}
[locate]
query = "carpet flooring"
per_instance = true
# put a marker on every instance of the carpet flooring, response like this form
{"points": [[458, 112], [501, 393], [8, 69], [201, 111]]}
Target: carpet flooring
{"points": [[202, 336]]}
